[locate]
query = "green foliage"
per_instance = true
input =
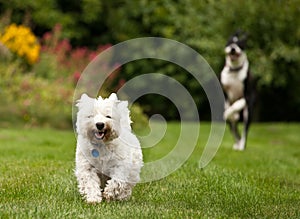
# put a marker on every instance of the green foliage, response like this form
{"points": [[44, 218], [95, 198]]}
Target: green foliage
{"points": [[31, 100], [273, 45], [91, 10], [42, 94], [37, 178], [74, 16]]}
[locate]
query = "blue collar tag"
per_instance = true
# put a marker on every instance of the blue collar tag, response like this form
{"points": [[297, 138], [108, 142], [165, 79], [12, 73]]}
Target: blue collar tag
{"points": [[95, 153]]}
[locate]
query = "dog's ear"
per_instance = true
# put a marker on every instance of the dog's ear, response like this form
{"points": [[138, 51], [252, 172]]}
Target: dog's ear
{"points": [[84, 96], [239, 37], [113, 96], [125, 118], [83, 100], [242, 35]]}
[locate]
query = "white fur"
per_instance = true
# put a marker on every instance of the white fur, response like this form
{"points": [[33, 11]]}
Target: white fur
{"points": [[115, 171], [232, 111], [240, 145], [233, 81]]}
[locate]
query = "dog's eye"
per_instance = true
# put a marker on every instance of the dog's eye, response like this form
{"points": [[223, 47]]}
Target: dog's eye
{"points": [[108, 117], [89, 116]]}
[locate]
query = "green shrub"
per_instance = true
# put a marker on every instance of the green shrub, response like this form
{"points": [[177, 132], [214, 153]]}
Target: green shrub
{"points": [[32, 100], [42, 94], [26, 98], [273, 45]]}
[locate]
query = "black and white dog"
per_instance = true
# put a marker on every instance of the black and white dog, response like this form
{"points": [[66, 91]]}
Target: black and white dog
{"points": [[238, 87]]}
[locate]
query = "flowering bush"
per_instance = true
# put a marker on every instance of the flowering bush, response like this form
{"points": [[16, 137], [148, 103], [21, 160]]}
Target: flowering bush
{"points": [[27, 99], [44, 95], [69, 60], [21, 41]]}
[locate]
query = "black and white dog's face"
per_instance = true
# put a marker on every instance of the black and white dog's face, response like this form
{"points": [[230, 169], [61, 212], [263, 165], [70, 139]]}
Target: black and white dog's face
{"points": [[234, 49]]}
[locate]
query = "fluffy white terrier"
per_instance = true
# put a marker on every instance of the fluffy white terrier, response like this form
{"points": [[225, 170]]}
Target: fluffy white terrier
{"points": [[108, 154]]}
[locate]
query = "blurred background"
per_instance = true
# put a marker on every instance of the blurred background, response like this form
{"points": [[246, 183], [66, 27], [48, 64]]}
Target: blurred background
{"points": [[45, 46]]}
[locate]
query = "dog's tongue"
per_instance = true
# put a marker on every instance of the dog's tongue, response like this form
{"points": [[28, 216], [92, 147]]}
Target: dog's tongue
{"points": [[99, 135]]}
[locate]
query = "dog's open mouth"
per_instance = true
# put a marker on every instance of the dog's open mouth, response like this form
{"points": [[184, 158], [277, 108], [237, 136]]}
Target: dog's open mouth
{"points": [[234, 56], [100, 134]]}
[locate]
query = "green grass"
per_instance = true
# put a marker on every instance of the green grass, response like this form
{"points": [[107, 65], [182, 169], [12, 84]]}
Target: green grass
{"points": [[37, 180]]}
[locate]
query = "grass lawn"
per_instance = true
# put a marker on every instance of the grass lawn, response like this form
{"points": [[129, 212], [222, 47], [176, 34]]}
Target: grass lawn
{"points": [[37, 180]]}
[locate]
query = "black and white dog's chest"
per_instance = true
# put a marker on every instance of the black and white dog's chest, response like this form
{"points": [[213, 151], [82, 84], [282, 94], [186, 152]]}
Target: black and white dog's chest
{"points": [[233, 82]]}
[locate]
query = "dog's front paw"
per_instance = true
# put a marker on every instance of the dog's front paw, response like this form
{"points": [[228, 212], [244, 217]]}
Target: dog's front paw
{"points": [[227, 114], [236, 146], [116, 190], [93, 200], [109, 195], [239, 146], [111, 191], [230, 115]]}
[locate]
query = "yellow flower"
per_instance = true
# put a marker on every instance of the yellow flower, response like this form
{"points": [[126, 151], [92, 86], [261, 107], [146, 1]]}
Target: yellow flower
{"points": [[21, 41]]}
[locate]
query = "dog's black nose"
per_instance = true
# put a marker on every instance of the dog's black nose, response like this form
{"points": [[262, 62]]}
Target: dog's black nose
{"points": [[100, 125], [232, 51]]}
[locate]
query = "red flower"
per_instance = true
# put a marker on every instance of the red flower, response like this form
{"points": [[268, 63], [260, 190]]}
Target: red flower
{"points": [[76, 76]]}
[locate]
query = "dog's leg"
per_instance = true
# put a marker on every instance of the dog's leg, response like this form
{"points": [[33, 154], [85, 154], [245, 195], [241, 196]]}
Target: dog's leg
{"points": [[232, 117], [232, 112], [246, 121], [235, 132], [88, 180], [117, 190], [229, 115]]}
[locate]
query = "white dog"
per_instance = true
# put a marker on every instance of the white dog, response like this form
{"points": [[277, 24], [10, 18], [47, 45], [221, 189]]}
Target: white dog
{"points": [[108, 155]]}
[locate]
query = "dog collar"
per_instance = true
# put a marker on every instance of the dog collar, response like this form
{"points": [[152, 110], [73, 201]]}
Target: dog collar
{"points": [[237, 68]]}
